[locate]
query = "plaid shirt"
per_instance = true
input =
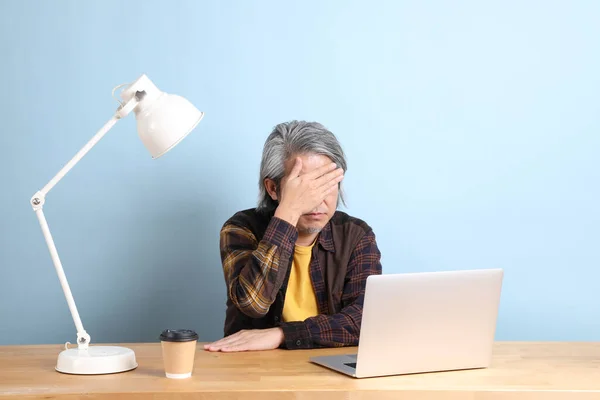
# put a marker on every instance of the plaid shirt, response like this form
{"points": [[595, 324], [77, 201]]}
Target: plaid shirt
{"points": [[256, 253]]}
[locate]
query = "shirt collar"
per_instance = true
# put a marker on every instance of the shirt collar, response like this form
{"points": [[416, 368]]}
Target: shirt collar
{"points": [[326, 238]]}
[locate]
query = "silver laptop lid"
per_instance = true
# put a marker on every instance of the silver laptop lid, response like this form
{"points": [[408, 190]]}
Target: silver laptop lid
{"points": [[429, 321]]}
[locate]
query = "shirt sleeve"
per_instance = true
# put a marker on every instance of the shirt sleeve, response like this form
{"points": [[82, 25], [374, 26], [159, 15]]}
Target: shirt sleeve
{"points": [[342, 328], [254, 271]]}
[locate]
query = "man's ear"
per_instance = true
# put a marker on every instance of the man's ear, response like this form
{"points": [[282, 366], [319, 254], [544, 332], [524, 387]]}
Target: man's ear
{"points": [[271, 188]]}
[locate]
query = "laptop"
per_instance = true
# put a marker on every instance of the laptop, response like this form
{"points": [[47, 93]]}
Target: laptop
{"points": [[424, 322]]}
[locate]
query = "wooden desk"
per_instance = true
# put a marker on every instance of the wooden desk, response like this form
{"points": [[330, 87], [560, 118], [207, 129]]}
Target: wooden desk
{"points": [[527, 371]]}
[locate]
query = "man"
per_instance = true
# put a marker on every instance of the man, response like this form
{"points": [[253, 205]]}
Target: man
{"points": [[295, 268]]}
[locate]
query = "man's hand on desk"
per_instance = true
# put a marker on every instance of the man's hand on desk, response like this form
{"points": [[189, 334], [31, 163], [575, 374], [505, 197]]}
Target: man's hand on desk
{"points": [[247, 340]]}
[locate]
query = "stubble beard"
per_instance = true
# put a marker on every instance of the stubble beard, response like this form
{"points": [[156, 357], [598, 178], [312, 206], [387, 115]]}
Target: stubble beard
{"points": [[310, 230]]}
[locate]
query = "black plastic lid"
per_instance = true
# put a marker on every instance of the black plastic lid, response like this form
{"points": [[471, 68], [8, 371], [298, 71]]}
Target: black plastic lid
{"points": [[178, 335]]}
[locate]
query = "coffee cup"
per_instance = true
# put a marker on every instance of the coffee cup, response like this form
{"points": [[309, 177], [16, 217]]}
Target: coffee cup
{"points": [[178, 351]]}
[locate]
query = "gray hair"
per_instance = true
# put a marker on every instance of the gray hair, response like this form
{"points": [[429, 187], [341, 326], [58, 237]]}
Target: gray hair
{"points": [[290, 139]]}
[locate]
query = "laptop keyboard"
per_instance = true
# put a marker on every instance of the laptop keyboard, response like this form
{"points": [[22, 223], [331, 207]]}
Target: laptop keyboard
{"points": [[351, 365]]}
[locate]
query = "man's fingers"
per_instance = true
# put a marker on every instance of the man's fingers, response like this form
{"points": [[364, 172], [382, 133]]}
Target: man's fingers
{"points": [[297, 168], [225, 341], [239, 342], [321, 171], [217, 347], [237, 347], [256, 339], [233, 342], [249, 342], [330, 178], [332, 185], [214, 346]]}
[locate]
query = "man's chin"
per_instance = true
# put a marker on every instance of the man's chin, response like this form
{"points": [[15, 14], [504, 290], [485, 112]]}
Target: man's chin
{"points": [[309, 230], [311, 224]]}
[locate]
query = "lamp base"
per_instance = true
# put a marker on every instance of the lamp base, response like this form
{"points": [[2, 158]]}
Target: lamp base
{"points": [[96, 360]]}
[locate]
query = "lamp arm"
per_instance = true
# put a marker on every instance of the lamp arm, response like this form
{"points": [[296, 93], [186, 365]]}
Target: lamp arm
{"points": [[38, 200]]}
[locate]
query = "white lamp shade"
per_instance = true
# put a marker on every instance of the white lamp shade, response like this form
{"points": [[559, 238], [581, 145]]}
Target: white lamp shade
{"points": [[166, 123], [163, 119]]}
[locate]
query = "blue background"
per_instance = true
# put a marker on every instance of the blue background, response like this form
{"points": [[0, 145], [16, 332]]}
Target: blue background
{"points": [[472, 131]]}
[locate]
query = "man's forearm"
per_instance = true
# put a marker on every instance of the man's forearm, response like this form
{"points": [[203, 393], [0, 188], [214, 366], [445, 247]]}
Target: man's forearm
{"points": [[336, 330], [255, 275]]}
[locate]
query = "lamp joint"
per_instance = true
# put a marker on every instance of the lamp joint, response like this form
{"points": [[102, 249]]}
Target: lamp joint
{"points": [[37, 201], [83, 340]]}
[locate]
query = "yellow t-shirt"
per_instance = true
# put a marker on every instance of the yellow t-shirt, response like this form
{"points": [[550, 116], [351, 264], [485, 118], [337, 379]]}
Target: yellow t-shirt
{"points": [[300, 300]]}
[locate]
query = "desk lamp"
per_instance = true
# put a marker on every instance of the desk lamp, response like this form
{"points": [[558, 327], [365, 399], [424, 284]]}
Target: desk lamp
{"points": [[163, 120]]}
